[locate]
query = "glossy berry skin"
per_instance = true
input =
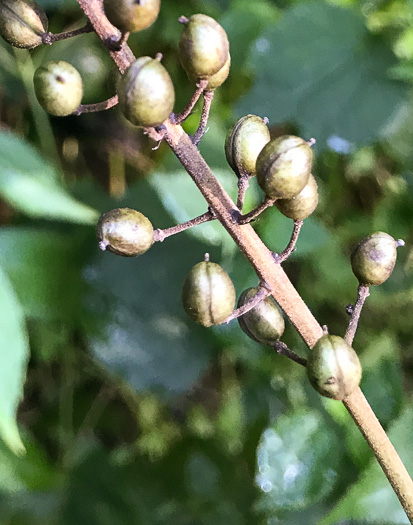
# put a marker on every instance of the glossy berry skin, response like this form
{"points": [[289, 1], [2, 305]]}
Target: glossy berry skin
{"points": [[284, 167], [374, 257], [59, 87], [302, 205], [264, 323], [125, 232], [132, 15], [244, 142], [22, 23], [208, 294], [333, 367], [203, 46], [146, 93]]}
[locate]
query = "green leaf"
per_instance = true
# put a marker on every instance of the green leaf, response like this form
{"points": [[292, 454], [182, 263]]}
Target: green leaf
{"points": [[31, 185], [13, 363], [321, 69]]}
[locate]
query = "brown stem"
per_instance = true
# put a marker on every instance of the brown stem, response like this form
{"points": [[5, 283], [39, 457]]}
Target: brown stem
{"points": [[362, 293], [243, 184], [261, 294], [200, 132], [282, 349], [178, 118], [283, 256], [160, 235], [50, 38], [98, 106], [253, 214]]}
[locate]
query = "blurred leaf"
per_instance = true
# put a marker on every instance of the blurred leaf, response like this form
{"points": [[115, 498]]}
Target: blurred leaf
{"points": [[14, 356], [320, 68], [31, 185]]}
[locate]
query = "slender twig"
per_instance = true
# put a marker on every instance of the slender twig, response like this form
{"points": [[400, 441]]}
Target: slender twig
{"points": [[200, 132], [243, 184], [283, 256], [253, 214], [282, 349], [98, 106], [362, 293], [115, 42], [261, 294], [160, 235], [178, 118], [50, 38]]}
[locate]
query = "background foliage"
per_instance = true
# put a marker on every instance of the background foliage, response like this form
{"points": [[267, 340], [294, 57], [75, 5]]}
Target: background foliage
{"points": [[131, 413]]}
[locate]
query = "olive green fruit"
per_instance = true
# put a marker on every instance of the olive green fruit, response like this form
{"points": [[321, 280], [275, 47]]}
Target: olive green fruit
{"points": [[284, 167], [333, 367], [264, 323], [132, 15], [244, 143], [374, 257], [22, 23], [59, 87], [219, 78], [146, 93], [125, 232], [303, 204], [208, 295], [203, 46]]}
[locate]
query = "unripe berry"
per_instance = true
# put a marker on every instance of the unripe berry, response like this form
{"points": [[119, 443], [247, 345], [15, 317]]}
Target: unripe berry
{"points": [[125, 232], [132, 15], [22, 23], [284, 167], [244, 143], [203, 46], [220, 76], [59, 87], [374, 257], [264, 323], [333, 367], [208, 294], [302, 205], [146, 93]]}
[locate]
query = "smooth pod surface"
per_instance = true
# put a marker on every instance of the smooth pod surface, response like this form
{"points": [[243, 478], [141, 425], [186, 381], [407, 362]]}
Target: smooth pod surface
{"points": [[22, 23], [58, 87], [373, 258], [130, 15], [284, 167], [146, 93], [125, 232], [244, 142], [333, 367], [302, 205], [208, 294]]}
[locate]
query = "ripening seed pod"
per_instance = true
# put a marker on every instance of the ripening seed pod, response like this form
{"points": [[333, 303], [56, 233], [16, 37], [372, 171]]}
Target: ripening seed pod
{"points": [[146, 92], [284, 167], [59, 87], [208, 294], [374, 257], [302, 205], [125, 232], [264, 323], [333, 367], [214, 81], [203, 46], [244, 142], [132, 15], [22, 23]]}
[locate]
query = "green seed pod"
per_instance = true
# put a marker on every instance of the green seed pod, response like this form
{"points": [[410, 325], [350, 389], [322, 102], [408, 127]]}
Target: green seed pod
{"points": [[22, 23], [125, 232], [132, 15], [59, 87], [203, 46], [146, 93], [284, 167], [220, 77], [333, 367], [244, 143], [208, 294], [374, 257], [303, 204], [264, 323]]}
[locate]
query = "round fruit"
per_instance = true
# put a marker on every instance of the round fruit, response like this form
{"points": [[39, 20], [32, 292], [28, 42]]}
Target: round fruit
{"points": [[203, 46], [208, 294], [244, 143], [333, 367], [284, 167], [374, 257], [59, 87], [22, 23], [219, 78], [264, 323], [132, 15], [303, 204], [146, 93], [125, 232]]}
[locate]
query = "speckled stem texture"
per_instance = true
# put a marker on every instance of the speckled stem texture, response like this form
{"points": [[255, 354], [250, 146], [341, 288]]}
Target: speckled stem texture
{"points": [[266, 268]]}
